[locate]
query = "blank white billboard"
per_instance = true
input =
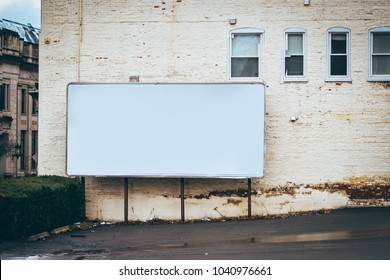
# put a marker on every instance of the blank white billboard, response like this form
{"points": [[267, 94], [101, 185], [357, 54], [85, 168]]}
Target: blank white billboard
{"points": [[166, 130]]}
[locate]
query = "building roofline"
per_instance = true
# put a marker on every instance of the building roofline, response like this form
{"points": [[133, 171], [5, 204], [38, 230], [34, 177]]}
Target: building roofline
{"points": [[26, 32]]}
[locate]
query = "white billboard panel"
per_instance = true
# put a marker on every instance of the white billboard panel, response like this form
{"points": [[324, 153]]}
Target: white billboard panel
{"points": [[166, 130]]}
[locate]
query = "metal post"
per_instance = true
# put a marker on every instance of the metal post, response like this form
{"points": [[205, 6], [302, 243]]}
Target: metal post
{"points": [[83, 194], [249, 198], [126, 200], [182, 198]]}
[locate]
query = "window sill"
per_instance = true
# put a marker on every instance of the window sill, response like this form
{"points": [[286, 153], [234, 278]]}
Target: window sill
{"points": [[379, 79], [338, 80], [297, 79], [246, 80], [6, 113]]}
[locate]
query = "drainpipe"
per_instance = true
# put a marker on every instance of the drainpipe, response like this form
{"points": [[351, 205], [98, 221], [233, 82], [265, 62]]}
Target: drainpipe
{"points": [[80, 39], [17, 128], [29, 133]]}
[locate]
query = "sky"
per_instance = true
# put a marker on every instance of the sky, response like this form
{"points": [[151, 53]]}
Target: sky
{"points": [[21, 11]]}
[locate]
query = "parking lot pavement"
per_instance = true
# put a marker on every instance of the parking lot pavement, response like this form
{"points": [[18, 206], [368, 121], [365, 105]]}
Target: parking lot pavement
{"points": [[352, 234]]}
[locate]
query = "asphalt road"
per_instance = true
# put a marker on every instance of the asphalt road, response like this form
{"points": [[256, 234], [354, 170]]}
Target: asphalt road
{"points": [[350, 234]]}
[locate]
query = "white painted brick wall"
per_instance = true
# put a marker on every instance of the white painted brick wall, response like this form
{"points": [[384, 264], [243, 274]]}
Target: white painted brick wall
{"points": [[343, 130]]}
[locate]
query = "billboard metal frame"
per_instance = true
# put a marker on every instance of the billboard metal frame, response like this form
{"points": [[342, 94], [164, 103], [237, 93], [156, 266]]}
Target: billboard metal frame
{"points": [[162, 175]]}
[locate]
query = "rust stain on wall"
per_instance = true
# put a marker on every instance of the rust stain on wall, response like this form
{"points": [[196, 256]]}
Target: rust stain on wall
{"points": [[386, 85], [344, 116], [225, 193], [363, 190], [233, 201], [291, 190]]}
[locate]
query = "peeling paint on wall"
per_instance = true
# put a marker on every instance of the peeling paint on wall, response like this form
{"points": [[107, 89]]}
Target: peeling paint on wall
{"points": [[159, 199]]}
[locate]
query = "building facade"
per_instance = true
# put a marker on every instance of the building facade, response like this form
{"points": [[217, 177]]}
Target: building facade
{"points": [[19, 53], [325, 66]]}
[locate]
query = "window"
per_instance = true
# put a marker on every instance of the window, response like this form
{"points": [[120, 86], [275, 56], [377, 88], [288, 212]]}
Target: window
{"points": [[338, 54], [4, 97], [34, 149], [379, 56], [295, 55], [23, 101], [245, 54], [35, 106], [23, 154]]}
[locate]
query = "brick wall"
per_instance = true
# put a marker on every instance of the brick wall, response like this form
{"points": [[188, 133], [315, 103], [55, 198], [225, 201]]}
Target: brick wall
{"points": [[342, 129]]}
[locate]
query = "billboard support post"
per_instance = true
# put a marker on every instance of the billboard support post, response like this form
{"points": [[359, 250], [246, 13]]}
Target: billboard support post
{"points": [[182, 199], [249, 198], [126, 200]]}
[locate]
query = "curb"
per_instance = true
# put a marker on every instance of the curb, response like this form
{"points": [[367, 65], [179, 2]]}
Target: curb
{"points": [[45, 234], [38, 236]]}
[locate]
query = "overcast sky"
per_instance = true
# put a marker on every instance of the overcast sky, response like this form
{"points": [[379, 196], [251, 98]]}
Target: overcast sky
{"points": [[22, 11]]}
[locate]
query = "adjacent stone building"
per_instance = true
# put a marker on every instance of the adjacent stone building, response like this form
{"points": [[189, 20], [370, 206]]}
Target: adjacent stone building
{"points": [[19, 52], [325, 65]]}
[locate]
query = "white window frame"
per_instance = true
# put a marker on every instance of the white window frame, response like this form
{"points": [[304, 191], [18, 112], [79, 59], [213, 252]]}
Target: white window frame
{"points": [[297, 78], [371, 77], [339, 78], [250, 31]]}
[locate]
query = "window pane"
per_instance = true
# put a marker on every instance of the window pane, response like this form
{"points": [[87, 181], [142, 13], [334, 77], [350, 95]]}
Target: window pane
{"points": [[381, 65], [294, 66], [23, 101], [245, 45], [22, 149], [338, 65], [339, 43], [295, 44], [2, 98], [381, 43], [34, 149], [245, 67]]}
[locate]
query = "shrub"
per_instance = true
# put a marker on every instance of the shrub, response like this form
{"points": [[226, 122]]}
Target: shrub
{"points": [[29, 205]]}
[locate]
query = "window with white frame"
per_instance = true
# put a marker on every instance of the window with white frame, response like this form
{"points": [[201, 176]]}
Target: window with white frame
{"points": [[295, 54], [379, 56], [245, 53], [338, 54]]}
